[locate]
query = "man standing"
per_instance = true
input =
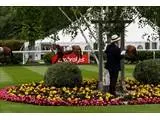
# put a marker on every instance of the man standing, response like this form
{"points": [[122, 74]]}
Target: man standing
{"points": [[114, 56]]}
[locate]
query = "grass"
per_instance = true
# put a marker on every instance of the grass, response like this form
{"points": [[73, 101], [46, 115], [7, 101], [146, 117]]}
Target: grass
{"points": [[26, 108], [18, 75]]}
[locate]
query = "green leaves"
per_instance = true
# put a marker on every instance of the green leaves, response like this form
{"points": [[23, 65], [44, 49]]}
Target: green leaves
{"points": [[32, 23], [151, 13], [147, 71]]}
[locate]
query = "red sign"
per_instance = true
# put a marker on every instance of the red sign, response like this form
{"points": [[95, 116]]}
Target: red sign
{"points": [[73, 58]]}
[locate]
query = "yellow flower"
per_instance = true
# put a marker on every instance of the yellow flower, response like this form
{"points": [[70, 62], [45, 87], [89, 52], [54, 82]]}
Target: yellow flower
{"points": [[64, 89], [41, 82], [100, 94], [87, 89], [49, 97], [52, 88], [54, 92], [38, 96], [107, 99], [19, 95], [81, 88], [67, 91], [50, 94], [26, 93], [75, 88], [87, 96], [100, 99], [33, 84], [83, 92], [13, 91], [108, 95]]}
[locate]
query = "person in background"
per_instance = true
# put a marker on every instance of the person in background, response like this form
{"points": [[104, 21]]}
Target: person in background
{"points": [[114, 56]]}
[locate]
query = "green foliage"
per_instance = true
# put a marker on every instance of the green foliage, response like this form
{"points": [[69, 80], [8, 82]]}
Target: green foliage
{"points": [[143, 55], [63, 74], [31, 29], [7, 23], [157, 54], [15, 59], [151, 13], [13, 44], [32, 23], [148, 71], [6, 60], [47, 57]]}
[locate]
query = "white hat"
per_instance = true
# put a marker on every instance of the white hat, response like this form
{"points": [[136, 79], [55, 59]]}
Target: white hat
{"points": [[115, 38]]}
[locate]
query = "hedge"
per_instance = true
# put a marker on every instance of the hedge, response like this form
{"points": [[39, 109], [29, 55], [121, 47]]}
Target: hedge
{"points": [[13, 44], [142, 55]]}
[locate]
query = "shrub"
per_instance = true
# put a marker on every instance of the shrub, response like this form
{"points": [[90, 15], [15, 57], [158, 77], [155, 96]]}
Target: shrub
{"points": [[16, 59], [13, 44], [148, 71], [145, 55], [5, 60], [63, 74], [157, 54], [47, 57]]}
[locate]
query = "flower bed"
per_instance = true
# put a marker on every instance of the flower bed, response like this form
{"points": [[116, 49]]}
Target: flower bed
{"points": [[87, 94]]}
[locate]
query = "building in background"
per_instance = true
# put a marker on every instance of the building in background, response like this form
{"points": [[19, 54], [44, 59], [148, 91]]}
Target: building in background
{"points": [[142, 38]]}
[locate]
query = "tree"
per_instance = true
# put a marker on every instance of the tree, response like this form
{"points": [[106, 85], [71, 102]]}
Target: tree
{"points": [[150, 15], [7, 26], [32, 23]]}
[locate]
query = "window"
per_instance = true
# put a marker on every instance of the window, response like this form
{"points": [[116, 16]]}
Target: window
{"points": [[87, 47], [95, 46], [147, 45], [139, 47], [154, 45], [45, 46]]}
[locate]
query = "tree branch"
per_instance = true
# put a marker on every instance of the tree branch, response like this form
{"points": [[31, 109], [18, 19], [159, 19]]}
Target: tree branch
{"points": [[81, 33]]}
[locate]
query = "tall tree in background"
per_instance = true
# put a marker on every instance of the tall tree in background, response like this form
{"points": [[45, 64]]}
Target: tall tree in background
{"points": [[30, 19], [24, 20], [32, 23], [150, 15], [8, 23]]}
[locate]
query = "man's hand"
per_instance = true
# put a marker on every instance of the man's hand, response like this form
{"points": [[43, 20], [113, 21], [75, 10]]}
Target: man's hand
{"points": [[123, 52]]}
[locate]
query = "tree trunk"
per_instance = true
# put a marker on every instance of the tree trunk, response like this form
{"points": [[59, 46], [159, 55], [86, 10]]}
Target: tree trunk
{"points": [[31, 55], [122, 80]]}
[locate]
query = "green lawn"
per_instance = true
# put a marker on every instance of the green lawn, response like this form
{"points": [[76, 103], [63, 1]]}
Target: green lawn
{"points": [[15, 75]]}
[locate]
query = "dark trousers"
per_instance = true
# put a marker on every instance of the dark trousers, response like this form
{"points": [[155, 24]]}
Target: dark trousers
{"points": [[113, 81]]}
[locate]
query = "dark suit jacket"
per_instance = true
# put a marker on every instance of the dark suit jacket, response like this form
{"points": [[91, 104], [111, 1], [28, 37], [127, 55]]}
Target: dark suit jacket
{"points": [[113, 57]]}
